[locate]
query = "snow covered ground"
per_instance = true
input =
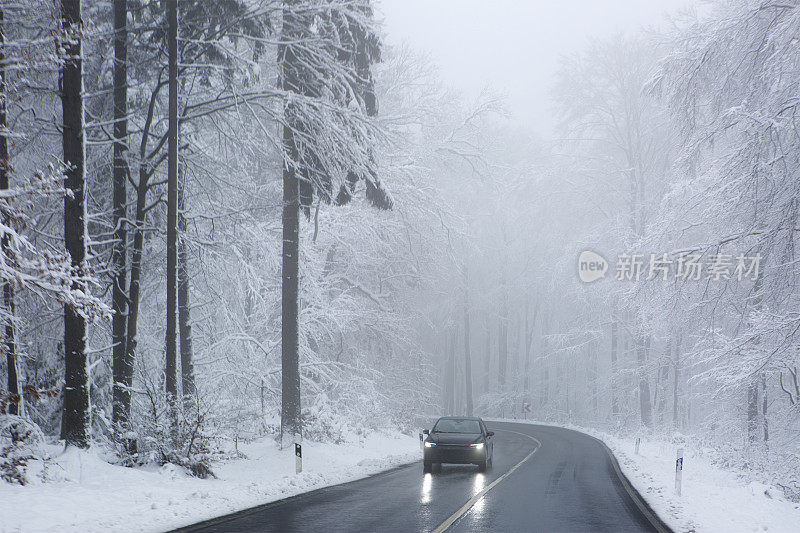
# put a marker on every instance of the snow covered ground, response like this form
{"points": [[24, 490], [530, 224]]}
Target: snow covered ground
{"points": [[85, 493], [712, 499]]}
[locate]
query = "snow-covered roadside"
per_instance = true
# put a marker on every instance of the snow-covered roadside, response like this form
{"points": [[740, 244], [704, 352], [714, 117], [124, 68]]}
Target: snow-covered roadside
{"points": [[712, 499], [87, 494]]}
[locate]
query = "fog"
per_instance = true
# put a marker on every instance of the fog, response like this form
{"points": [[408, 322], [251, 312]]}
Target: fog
{"points": [[257, 222], [618, 178], [514, 48]]}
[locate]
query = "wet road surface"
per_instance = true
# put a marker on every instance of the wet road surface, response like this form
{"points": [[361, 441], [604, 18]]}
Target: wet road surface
{"points": [[543, 479]]}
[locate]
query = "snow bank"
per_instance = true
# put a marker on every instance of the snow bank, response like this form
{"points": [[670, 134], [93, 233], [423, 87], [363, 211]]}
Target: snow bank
{"points": [[81, 492], [712, 499]]}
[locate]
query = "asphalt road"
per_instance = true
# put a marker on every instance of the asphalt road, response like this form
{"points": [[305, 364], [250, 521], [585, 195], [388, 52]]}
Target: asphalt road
{"points": [[543, 479]]}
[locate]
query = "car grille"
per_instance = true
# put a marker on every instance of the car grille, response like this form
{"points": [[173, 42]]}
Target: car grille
{"points": [[457, 453]]}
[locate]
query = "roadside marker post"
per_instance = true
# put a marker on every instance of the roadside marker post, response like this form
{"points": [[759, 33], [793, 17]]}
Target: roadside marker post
{"points": [[678, 471], [298, 453], [421, 439], [638, 441]]}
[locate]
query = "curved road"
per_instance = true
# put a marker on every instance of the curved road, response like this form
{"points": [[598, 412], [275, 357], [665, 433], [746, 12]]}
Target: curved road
{"points": [[543, 479]]}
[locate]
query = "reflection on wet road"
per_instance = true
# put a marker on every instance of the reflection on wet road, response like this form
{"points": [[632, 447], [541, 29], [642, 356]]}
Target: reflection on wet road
{"points": [[568, 484]]}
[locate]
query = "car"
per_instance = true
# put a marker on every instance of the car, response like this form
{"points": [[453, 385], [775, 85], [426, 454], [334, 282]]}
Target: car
{"points": [[458, 440]]}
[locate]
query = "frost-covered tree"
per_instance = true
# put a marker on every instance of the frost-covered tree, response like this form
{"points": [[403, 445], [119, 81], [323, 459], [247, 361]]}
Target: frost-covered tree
{"points": [[75, 420], [122, 366], [30, 268], [737, 194], [322, 138], [620, 139]]}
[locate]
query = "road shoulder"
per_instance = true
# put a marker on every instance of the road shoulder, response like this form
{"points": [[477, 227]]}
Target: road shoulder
{"points": [[71, 492], [714, 498]]}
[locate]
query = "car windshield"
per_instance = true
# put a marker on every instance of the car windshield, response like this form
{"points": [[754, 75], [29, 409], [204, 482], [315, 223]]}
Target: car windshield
{"points": [[454, 425]]}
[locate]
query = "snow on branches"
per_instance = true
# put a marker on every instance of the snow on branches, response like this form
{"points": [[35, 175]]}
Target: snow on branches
{"points": [[46, 272]]}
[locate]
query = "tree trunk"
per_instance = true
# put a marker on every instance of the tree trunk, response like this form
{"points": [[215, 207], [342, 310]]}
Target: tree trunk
{"points": [[529, 328], [628, 378], [645, 406], [487, 361], [134, 290], [467, 354], [659, 394], [689, 397], [137, 252], [545, 361], [290, 286], [184, 313], [562, 386], [458, 379], [451, 373], [752, 390], [764, 404], [446, 373], [613, 388], [122, 364], [15, 404], [502, 338], [752, 411], [593, 378], [172, 217], [676, 371], [663, 381], [75, 419], [657, 388], [514, 365]]}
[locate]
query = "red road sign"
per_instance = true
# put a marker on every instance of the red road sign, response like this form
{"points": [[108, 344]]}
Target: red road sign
{"points": [[526, 408]]}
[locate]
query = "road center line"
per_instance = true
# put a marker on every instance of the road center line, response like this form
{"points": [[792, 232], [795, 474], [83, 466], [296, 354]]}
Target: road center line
{"points": [[467, 506]]}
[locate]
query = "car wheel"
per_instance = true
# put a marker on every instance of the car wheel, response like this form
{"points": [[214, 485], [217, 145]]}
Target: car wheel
{"points": [[482, 466], [427, 466]]}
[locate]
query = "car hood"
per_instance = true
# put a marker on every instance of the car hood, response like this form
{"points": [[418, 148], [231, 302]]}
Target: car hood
{"points": [[455, 438]]}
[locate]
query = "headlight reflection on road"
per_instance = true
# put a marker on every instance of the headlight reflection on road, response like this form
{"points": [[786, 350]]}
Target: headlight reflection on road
{"points": [[477, 486], [478, 483], [427, 481], [477, 509]]}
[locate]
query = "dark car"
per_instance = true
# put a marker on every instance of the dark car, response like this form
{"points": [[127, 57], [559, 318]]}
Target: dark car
{"points": [[458, 440]]}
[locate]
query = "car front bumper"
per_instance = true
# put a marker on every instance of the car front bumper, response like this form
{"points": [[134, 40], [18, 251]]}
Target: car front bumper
{"points": [[455, 454]]}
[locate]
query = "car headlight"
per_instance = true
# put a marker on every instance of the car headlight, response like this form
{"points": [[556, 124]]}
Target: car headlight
{"points": [[478, 446], [429, 444]]}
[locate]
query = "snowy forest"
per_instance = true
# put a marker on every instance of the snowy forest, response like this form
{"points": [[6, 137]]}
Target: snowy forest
{"points": [[224, 221]]}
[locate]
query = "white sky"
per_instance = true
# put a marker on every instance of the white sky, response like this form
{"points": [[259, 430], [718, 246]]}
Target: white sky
{"points": [[512, 46]]}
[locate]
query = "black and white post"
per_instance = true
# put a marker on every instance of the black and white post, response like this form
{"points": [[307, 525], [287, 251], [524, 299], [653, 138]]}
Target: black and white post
{"points": [[298, 453], [678, 471]]}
